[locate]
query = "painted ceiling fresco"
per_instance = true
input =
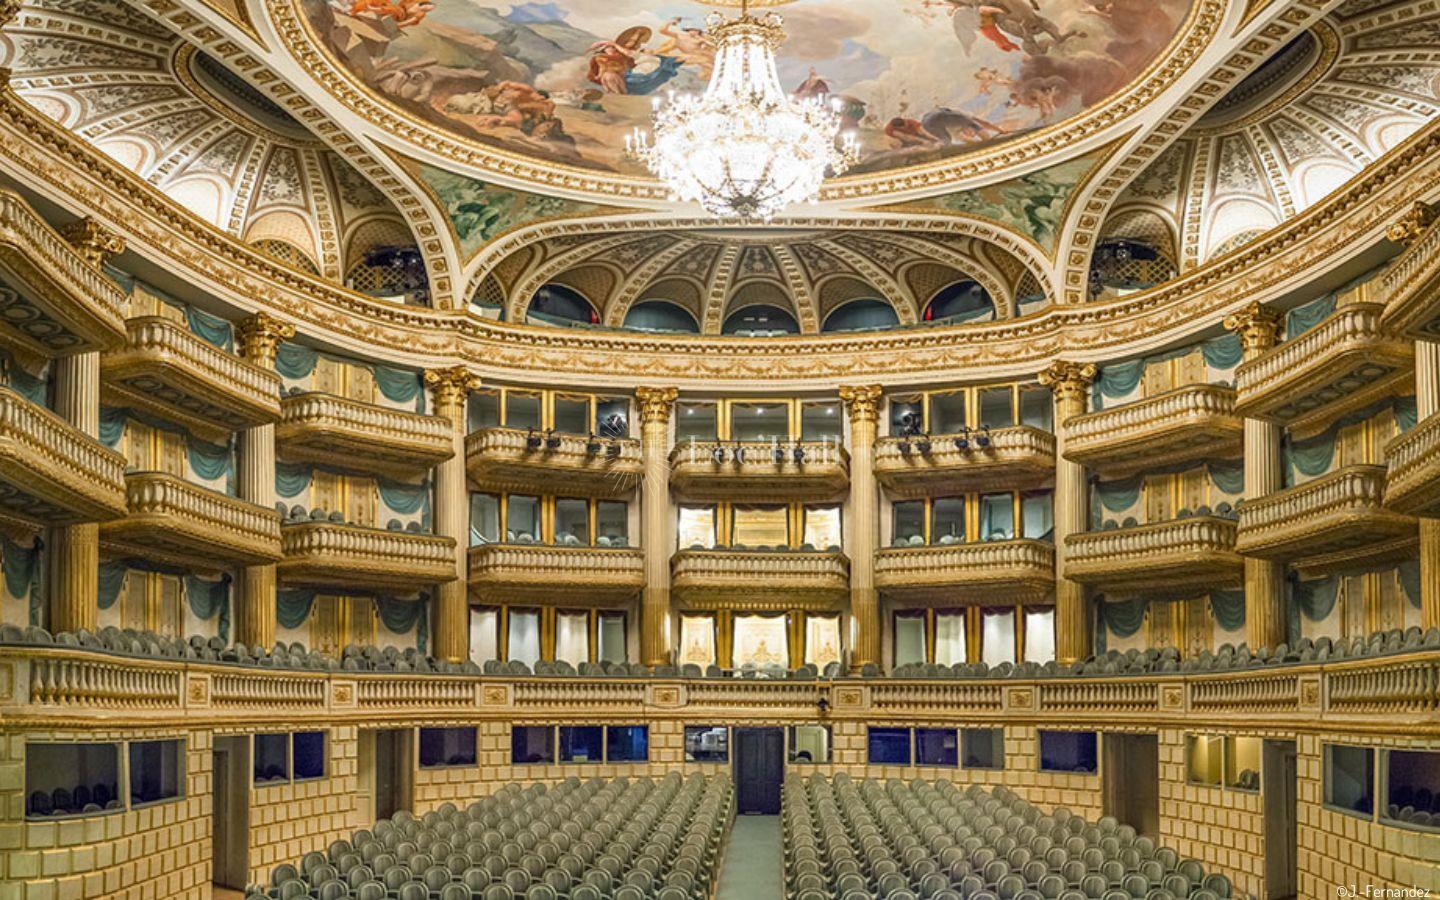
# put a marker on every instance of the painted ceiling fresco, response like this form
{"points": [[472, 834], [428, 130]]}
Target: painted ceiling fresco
{"points": [[918, 80]]}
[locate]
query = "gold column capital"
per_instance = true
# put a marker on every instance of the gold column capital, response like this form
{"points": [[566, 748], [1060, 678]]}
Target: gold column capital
{"points": [[260, 335], [95, 243], [1067, 379], [1407, 229], [449, 387], [862, 401], [655, 404], [1258, 326]]}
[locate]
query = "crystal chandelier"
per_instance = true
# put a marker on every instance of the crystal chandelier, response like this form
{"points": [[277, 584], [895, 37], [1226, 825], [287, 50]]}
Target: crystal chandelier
{"points": [[745, 149]]}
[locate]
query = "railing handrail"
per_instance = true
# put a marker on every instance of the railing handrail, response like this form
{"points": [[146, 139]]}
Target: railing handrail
{"points": [[1190, 399], [1359, 483], [236, 372], [310, 406]]}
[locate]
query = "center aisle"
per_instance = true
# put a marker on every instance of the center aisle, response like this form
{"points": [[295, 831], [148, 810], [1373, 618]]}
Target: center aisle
{"points": [[752, 869]]}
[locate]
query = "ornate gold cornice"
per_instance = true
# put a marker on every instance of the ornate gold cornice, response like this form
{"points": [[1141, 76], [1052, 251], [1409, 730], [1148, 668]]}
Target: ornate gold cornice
{"points": [[449, 387], [95, 243], [260, 335], [1409, 227], [1070, 381], [1257, 325], [655, 404], [862, 401]]}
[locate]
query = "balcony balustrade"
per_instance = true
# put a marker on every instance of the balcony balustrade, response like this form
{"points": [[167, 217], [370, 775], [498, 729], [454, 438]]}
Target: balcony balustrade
{"points": [[513, 459]]}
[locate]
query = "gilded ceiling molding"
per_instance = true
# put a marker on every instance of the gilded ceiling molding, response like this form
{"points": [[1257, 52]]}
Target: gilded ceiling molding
{"points": [[899, 296], [1201, 29], [644, 276], [806, 308], [68, 171], [1095, 199], [718, 296]]}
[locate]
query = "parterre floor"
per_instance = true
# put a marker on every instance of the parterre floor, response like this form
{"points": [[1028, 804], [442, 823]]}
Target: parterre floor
{"points": [[753, 868]]}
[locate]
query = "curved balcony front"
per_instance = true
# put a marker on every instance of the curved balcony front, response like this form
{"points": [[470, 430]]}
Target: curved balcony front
{"points": [[1173, 558], [1195, 422], [52, 302], [1004, 459], [51, 473], [555, 574], [1335, 523], [1410, 287], [322, 428], [1412, 482], [167, 370], [514, 459], [967, 573], [759, 470], [1343, 364], [759, 579], [174, 521], [354, 558]]}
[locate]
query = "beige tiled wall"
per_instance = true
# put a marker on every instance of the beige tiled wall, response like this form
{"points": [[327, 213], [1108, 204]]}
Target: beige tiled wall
{"points": [[289, 820], [1223, 828]]}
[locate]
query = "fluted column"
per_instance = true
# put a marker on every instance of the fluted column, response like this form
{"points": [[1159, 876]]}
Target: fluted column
{"points": [[1069, 383], [1265, 617], [863, 403], [257, 337], [448, 390], [655, 407], [75, 549]]}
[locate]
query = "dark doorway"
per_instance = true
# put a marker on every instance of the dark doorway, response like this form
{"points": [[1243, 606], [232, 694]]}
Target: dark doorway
{"points": [[759, 769], [230, 812], [1132, 780], [1277, 787], [392, 766]]}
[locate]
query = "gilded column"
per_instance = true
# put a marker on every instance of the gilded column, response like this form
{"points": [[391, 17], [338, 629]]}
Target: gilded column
{"points": [[655, 407], [1265, 615], [75, 549], [1069, 383], [1405, 232], [449, 389], [257, 337], [863, 403]]}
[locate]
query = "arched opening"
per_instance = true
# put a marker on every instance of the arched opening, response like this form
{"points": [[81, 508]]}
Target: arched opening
{"points": [[861, 315], [962, 301], [760, 320], [661, 315], [559, 304]]}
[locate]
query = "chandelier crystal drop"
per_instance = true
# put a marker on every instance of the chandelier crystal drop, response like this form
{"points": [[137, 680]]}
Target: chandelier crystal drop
{"points": [[745, 149]]}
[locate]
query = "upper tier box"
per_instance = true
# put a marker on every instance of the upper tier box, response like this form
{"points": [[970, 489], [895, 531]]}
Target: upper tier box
{"points": [[1172, 558], [343, 557], [516, 459], [760, 579], [323, 428], [1412, 486], [1003, 459], [1332, 524], [50, 472], [759, 470], [968, 573], [169, 371], [173, 521], [1341, 365], [533, 572], [1187, 424], [1411, 289], [52, 302]]}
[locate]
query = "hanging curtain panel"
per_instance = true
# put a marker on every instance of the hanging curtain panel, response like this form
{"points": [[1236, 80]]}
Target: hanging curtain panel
{"points": [[1228, 608], [292, 606], [484, 635], [1223, 354], [1306, 316], [1039, 635], [822, 640], [1228, 476], [295, 362], [1408, 573], [409, 502], [524, 637], [211, 329], [697, 640], [909, 639], [997, 636], [950, 638], [572, 637], [1116, 383], [400, 386], [21, 568], [761, 641], [1115, 498], [210, 600]]}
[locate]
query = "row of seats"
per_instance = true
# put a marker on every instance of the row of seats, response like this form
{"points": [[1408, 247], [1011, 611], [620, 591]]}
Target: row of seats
{"points": [[294, 515], [852, 839], [641, 839], [67, 802], [1222, 510]]}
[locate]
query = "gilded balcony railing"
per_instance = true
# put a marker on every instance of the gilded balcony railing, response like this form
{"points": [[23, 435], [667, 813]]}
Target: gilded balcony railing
{"points": [[320, 427], [740, 579], [333, 554], [1343, 364], [1175, 556], [173, 520], [760, 470], [1004, 458], [1410, 288], [1021, 567], [1412, 486], [52, 302], [1336, 522], [165, 369], [1189, 423], [499, 571], [52, 473], [517, 459]]}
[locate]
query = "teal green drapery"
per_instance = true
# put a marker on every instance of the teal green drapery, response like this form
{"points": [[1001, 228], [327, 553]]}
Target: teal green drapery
{"points": [[400, 616], [292, 606], [291, 479], [1113, 496], [1407, 412], [1223, 352], [1228, 476], [400, 386], [1306, 316], [1315, 455], [211, 329], [1123, 618], [1409, 572], [1316, 599], [208, 461], [209, 598], [295, 361], [1121, 379], [1118, 380], [112, 425], [112, 580], [404, 499], [32, 387], [1229, 609], [22, 574]]}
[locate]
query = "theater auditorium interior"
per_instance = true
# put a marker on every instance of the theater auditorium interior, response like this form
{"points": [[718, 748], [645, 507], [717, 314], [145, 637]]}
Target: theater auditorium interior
{"points": [[730, 450]]}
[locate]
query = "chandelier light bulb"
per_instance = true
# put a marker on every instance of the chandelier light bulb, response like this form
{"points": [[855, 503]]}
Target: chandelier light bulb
{"points": [[745, 149]]}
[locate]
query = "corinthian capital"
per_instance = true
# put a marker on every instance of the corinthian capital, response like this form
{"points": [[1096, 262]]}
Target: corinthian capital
{"points": [[1408, 228], [1257, 325], [1068, 380], [449, 387], [655, 404], [862, 401], [95, 243], [260, 335]]}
